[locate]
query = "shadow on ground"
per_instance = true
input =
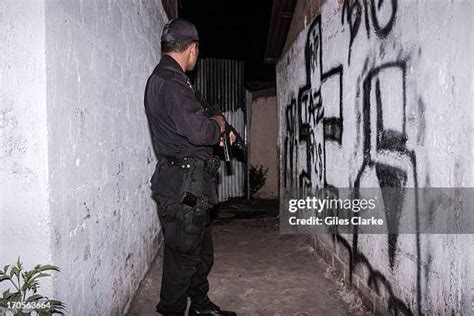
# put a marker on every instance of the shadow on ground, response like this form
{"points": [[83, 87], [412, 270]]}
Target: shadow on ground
{"points": [[257, 271]]}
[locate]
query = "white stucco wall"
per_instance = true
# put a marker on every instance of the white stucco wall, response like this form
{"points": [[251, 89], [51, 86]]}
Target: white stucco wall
{"points": [[263, 151], [24, 210], [418, 55], [99, 55], [76, 155]]}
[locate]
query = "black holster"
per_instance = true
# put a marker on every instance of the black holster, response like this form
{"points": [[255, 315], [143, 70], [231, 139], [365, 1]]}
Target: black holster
{"points": [[195, 206]]}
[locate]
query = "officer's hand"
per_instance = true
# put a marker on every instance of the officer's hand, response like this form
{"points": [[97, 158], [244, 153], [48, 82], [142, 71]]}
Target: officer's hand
{"points": [[232, 137], [221, 120]]}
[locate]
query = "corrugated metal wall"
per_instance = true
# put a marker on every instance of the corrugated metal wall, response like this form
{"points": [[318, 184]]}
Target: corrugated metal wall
{"points": [[221, 82], [233, 185]]}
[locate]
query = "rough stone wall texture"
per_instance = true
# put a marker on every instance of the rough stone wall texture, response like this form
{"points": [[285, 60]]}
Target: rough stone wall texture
{"points": [[104, 223], [24, 210], [263, 151], [407, 66]]}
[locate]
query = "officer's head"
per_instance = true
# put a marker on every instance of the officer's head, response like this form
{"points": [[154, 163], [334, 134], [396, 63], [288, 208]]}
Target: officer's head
{"points": [[180, 40]]}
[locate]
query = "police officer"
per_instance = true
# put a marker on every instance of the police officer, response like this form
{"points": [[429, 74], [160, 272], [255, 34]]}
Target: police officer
{"points": [[183, 136]]}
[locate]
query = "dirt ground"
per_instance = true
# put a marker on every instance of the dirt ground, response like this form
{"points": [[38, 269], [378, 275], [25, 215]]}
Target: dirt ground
{"points": [[257, 271]]}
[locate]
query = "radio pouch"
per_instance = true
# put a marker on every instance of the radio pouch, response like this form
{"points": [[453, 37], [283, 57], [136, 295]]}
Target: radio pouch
{"points": [[194, 211]]}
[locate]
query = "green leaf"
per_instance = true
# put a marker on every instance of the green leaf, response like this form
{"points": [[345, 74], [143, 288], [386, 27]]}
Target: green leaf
{"points": [[4, 277], [45, 268], [6, 293], [32, 283], [5, 268], [56, 307], [15, 271], [27, 277], [34, 298], [18, 264], [41, 275], [57, 304], [34, 286], [13, 297]]}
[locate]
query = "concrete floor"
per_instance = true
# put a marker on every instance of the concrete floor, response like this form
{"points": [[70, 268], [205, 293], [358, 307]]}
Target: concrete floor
{"points": [[257, 271]]}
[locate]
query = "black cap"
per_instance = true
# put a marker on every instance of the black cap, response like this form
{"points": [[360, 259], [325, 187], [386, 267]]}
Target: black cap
{"points": [[179, 30]]}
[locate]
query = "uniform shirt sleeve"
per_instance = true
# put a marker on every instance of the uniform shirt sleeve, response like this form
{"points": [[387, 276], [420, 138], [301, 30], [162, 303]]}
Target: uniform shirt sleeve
{"points": [[189, 117], [152, 96]]}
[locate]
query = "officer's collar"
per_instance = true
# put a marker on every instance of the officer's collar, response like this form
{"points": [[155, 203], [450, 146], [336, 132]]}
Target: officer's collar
{"points": [[169, 63]]}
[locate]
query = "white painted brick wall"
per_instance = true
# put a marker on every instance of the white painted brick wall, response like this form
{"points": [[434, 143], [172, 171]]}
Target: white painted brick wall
{"points": [[427, 51], [105, 229], [24, 209]]}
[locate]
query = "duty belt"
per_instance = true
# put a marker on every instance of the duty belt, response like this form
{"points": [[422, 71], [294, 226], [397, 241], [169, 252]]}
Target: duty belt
{"points": [[209, 166], [184, 163]]}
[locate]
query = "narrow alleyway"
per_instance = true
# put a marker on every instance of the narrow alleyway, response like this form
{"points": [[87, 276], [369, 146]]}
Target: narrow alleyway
{"points": [[257, 270]]}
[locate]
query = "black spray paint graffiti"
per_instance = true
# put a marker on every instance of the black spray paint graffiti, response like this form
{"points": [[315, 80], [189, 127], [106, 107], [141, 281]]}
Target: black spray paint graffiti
{"points": [[386, 145], [291, 145], [311, 119], [388, 142], [382, 13], [313, 123], [376, 279]]}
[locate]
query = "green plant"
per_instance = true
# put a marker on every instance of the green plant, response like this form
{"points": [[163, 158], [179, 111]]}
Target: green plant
{"points": [[27, 282], [257, 178]]}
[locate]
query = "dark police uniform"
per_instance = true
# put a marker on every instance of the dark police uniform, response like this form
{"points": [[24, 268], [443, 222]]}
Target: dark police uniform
{"points": [[179, 125], [180, 128]]}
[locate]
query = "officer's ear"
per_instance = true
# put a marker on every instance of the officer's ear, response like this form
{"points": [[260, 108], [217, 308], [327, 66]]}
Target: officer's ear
{"points": [[195, 48]]}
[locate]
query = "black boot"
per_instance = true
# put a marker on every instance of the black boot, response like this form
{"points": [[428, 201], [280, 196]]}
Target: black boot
{"points": [[204, 307]]}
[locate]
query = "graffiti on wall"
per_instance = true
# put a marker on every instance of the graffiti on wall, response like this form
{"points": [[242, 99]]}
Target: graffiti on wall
{"points": [[314, 119], [308, 126], [389, 143], [382, 13], [387, 159]]}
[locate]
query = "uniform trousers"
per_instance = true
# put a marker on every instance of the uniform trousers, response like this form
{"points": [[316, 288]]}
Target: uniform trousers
{"points": [[187, 260]]}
